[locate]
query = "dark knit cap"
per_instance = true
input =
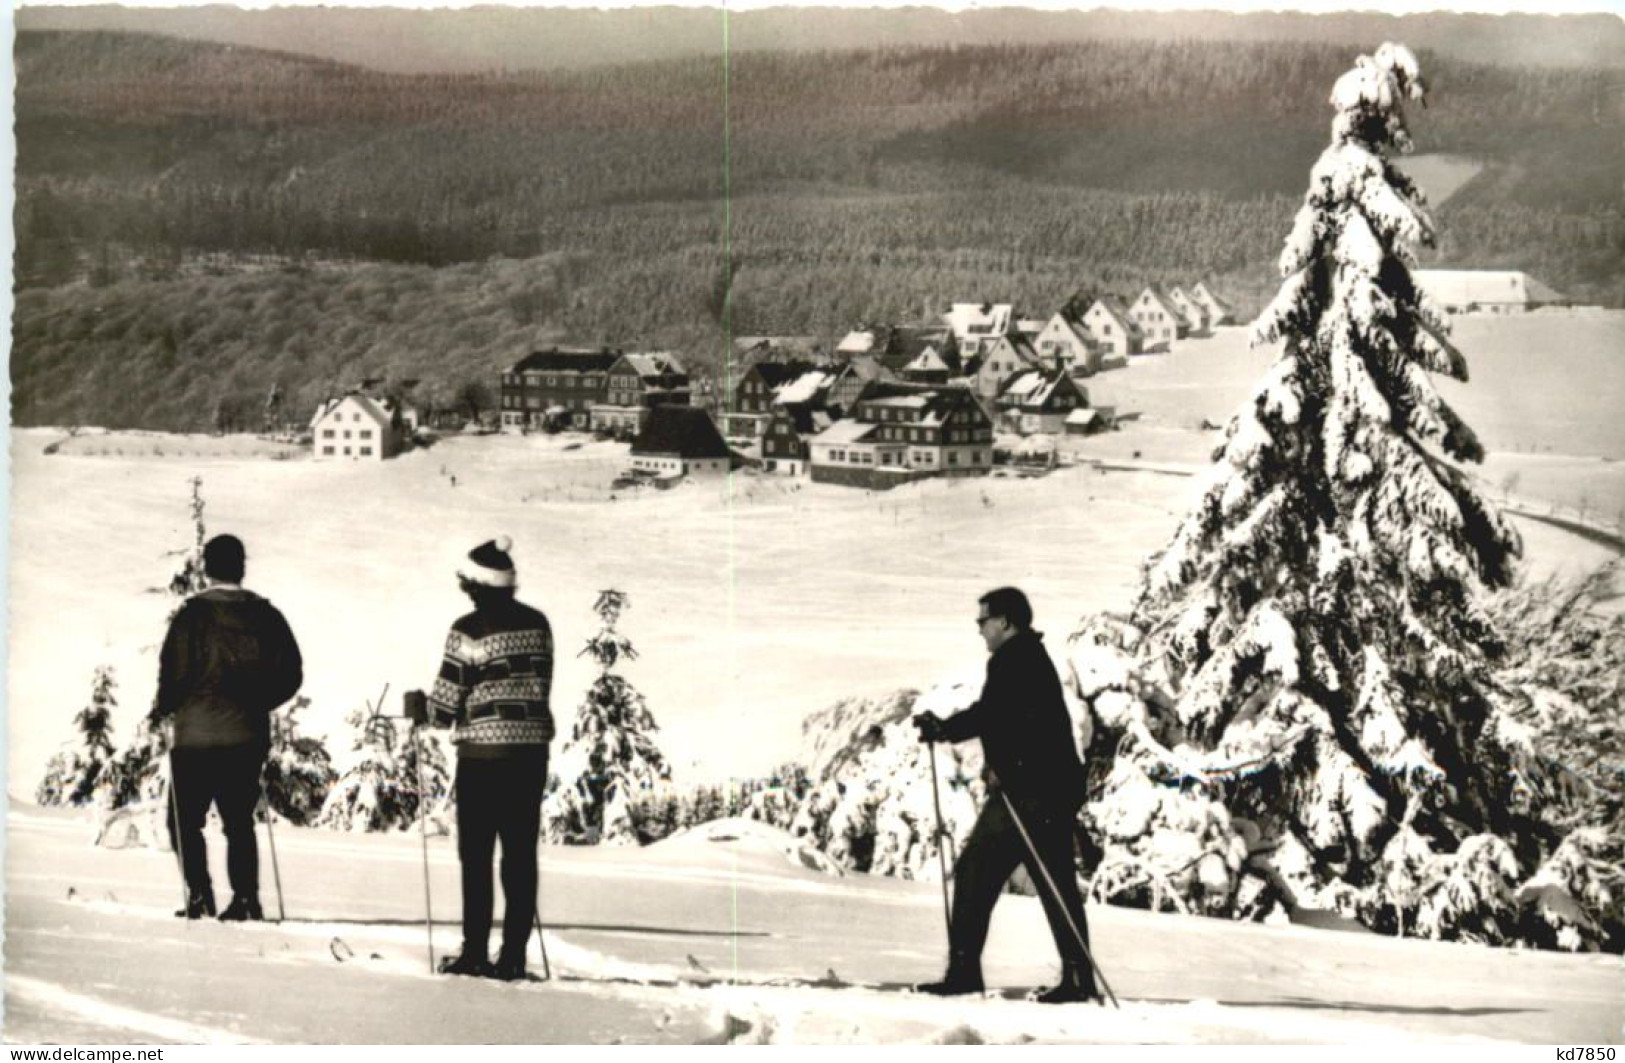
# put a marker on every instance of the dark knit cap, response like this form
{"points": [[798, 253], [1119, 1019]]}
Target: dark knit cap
{"points": [[490, 565]]}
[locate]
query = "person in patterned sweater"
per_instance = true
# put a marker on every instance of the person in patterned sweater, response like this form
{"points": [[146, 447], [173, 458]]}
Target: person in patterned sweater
{"points": [[492, 692]]}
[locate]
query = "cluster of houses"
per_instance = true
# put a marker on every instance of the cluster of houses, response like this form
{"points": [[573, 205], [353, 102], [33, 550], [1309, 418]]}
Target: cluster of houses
{"points": [[886, 405]]}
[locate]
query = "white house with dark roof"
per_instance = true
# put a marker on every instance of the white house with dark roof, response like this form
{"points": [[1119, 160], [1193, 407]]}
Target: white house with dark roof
{"points": [[1159, 321], [1006, 357], [1065, 344], [1487, 291], [1112, 328], [1219, 311], [1038, 401], [1195, 317], [356, 427], [680, 441]]}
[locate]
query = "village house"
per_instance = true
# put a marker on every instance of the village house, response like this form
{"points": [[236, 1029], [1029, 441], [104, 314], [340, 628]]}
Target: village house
{"points": [[751, 406], [359, 427], [785, 443], [1192, 313], [1038, 401], [850, 380], [1007, 356], [558, 385], [929, 367], [977, 326], [1219, 312], [680, 440], [1113, 329], [1159, 321], [1089, 421], [1487, 291], [897, 346], [900, 432], [634, 385], [1062, 343], [748, 350]]}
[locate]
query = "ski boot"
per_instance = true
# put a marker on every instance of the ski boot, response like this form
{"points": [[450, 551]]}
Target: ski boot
{"points": [[242, 910], [962, 978], [198, 905], [1077, 986], [466, 965]]}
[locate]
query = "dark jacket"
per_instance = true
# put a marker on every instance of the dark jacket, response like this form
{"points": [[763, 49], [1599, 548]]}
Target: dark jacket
{"points": [[1025, 729], [228, 660], [495, 681]]}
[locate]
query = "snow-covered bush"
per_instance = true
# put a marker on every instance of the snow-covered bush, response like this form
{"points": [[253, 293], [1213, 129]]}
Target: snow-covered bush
{"points": [[377, 785], [72, 773], [1305, 704], [299, 772], [611, 761]]}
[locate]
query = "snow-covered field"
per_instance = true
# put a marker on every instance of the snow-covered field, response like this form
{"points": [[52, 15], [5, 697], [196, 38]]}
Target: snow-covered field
{"points": [[756, 601], [697, 940]]}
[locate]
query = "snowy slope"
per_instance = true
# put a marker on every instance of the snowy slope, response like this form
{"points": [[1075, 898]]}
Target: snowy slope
{"points": [[696, 940]]}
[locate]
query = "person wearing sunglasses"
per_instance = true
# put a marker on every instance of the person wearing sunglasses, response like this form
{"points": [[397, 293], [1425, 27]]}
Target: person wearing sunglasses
{"points": [[1036, 786]]}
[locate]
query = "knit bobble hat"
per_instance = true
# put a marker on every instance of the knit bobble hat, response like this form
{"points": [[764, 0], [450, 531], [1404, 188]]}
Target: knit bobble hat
{"points": [[490, 564]]}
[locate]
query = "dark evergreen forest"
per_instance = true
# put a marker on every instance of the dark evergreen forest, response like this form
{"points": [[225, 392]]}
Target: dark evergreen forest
{"points": [[199, 223]]}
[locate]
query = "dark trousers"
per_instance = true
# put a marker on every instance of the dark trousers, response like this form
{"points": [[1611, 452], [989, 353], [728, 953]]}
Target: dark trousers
{"points": [[227, 777], [499, 798], [991, 854]]}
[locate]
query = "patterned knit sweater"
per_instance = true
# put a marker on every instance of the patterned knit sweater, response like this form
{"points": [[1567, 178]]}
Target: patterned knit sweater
{"points": [[494, 681]]}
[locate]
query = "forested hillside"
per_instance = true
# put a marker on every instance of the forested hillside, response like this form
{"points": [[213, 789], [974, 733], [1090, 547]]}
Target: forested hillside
{"points": [[189, 214]]}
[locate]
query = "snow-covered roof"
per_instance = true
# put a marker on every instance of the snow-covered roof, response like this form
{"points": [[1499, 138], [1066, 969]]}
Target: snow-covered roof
{"points": [[1024, 384], [1485, 287], [906, 402], [1083, 416], [860, 341], [654, 363], [979, 319], [379, 410], [845, 432], [803, 388]]}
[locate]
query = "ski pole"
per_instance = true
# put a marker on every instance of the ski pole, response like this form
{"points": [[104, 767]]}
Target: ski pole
{"points": [[270, 836], [177, 836], [547, 969], [942, 856], [423, 832], [1055, 895]]}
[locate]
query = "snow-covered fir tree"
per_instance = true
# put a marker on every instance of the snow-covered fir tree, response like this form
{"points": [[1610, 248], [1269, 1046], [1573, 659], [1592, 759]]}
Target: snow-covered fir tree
{"points": [[71, 774], [377, 785], [138, 774], [1304, 706], [1564, 674], [610, 761], [299, 772]]}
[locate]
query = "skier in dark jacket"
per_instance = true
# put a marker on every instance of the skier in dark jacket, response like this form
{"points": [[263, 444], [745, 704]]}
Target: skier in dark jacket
{"points": [[493, 689], [227, 661], [1031, 758]]}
